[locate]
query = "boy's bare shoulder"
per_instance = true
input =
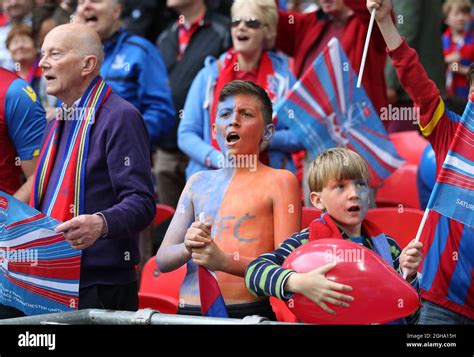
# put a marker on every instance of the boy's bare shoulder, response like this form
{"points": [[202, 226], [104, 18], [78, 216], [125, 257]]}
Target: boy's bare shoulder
{"points": [[280, 177]]}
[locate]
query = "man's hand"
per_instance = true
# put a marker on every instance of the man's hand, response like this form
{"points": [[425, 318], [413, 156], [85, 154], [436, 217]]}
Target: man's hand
{"points": [[82, 231], [317, 288], [410, 259], [382, 7], [197, 236]]}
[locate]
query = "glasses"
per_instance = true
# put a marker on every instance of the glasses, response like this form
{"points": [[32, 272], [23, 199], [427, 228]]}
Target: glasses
{"points": [[250, 22]]}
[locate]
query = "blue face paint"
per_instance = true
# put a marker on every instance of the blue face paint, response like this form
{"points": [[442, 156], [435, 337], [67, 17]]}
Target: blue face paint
{"points": [[225, 115]]}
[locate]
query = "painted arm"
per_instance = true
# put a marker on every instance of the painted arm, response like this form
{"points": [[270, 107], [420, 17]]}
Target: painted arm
{"points": [[173, 253]]}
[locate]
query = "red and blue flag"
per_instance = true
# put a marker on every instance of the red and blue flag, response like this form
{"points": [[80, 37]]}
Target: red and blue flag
{"points": [[212, 302], [453, 194], [325, 109], [39, 271]]}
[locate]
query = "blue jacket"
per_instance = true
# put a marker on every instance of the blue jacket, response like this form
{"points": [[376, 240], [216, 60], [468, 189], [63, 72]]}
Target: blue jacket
{"points": [[194, 131], [133, 67]]}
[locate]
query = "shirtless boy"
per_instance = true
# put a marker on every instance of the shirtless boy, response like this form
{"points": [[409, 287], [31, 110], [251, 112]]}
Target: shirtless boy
{"points": [[249, 208]]}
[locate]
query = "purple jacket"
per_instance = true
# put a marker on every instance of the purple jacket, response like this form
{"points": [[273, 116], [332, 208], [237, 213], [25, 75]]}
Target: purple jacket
{"points": [[119, 185]]}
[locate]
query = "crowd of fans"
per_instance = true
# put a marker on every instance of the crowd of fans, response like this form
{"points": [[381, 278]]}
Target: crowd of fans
{"points": [[188, 34], [170, 59]]}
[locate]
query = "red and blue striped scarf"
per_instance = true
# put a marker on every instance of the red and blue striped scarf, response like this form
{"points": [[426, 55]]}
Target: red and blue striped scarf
{"points": [[67, 194]]}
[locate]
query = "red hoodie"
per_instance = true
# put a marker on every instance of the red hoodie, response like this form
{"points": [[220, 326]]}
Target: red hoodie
{"points": [[297, 34]]}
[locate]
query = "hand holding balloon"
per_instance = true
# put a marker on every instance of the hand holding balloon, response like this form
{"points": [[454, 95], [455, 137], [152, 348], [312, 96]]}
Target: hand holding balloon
{"points": [[377, 289], [317, 288]]}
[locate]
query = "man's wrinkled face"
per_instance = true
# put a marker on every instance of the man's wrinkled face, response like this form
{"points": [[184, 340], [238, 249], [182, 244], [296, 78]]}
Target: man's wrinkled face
{"points": [[101, 15], [61, 64]]}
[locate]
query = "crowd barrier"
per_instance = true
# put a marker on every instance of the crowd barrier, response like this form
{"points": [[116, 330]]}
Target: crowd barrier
{"points": [[140, 317]]}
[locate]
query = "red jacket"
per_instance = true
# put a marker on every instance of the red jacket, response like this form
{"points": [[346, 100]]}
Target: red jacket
{"points": [[297, 32]]}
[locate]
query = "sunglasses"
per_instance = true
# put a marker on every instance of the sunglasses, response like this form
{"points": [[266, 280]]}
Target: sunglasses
{"points": [[250, 22]]}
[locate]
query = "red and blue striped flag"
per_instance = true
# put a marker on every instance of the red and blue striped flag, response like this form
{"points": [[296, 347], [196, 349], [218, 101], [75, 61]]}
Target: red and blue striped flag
{"points": [[212, 302], [453, 194], [39, 271], [325, 109]]}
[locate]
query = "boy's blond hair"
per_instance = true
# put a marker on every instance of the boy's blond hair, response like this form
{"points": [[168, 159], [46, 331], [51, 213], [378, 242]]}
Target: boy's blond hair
{"points": [[463, 5], [336, 164]]}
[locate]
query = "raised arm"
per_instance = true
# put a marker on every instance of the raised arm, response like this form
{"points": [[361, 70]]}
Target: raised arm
{"points": [[434, 118]]}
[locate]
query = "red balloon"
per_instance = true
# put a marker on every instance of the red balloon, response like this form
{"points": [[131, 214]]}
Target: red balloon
{"points": [[380, 294]]}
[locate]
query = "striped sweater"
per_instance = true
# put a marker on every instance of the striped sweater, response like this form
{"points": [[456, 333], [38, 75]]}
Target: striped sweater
{"points": [[265, 275]]}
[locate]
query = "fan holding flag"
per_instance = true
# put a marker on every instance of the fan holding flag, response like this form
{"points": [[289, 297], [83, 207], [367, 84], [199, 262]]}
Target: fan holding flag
{"points": [[447, 230], [227, 217]]}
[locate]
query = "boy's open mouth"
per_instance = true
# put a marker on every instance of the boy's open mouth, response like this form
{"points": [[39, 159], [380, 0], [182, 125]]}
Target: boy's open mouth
{"points": [[355, 208], [232, 138]]}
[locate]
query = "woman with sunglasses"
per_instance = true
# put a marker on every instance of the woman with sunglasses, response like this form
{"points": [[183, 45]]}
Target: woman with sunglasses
{"points": [[253, 31]]}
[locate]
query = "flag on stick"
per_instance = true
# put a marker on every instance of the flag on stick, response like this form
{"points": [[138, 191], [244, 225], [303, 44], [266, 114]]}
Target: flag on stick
{"points": [[453, 194], [325, 109]]}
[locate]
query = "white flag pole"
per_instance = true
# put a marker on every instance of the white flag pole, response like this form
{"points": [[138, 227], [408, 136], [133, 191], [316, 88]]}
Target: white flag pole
{"points": [[418, 233], [366, 47]]}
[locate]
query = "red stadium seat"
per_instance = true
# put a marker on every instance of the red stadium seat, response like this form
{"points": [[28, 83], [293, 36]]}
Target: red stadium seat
{"points": [[309, 214], [160, 291], [400, 188], [163, 212], [410, 145], [400, 224]]}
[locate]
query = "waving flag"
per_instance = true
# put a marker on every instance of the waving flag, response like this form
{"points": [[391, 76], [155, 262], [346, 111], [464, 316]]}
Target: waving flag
{"points": [[325, 109], [453, 194], [39, 271]]}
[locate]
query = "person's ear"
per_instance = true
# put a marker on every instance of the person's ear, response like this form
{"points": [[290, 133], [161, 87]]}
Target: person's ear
{"points": [[268, 132], [89, 65], [117, 11], [316, 200], [214, 132]]}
